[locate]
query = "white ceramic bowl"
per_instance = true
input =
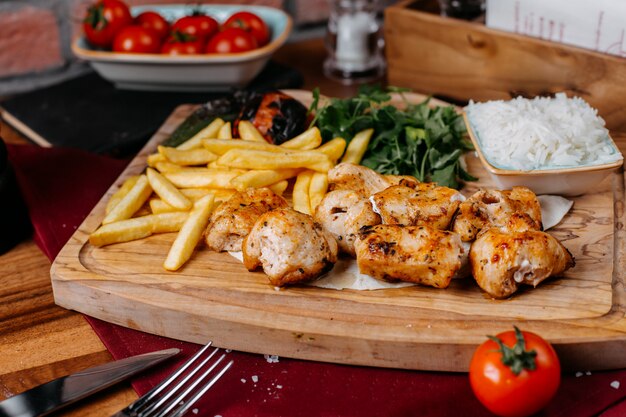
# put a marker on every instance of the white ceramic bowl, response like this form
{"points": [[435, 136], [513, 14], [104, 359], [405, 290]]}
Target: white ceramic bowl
{"points": [[210, 72], [563, 181]]}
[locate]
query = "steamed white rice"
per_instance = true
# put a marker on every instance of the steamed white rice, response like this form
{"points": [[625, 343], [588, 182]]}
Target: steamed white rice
{"points": [[542, 133]]}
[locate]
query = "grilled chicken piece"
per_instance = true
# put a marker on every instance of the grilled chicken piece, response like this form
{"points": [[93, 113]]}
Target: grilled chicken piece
{"points": [[488, 208], [233, 219], [289, 246], [419, 254], [502, 259], [364, 181], [343, 213], [425, 204]]}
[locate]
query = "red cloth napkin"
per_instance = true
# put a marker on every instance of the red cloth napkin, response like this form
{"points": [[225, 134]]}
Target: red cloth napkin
{"points": [[61, 186]]}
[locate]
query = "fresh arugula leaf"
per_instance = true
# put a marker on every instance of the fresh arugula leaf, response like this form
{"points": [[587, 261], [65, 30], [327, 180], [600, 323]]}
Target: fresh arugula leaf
{"points": [[421, 141]]}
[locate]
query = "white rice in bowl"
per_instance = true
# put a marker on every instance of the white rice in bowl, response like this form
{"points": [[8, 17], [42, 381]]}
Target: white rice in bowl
{"points": [[542, 133]]}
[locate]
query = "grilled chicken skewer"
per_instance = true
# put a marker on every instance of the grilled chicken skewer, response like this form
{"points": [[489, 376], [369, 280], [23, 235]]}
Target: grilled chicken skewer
{"points": [[364, 181], [419, 254], [487, 208], [233, 219], [343, 213], [290, 247], [423, 204], [504, 258]]}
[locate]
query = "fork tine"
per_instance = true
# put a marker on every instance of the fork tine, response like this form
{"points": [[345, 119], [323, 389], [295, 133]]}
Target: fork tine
{"points": [[148, 411], [180, 398], [185, 407], [150, 395]]}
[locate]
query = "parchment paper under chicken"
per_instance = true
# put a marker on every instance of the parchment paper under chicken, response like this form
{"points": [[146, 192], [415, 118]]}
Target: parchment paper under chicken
{"points": [[290, 247], [419, 254], [233, 219], [343, 213], [425, 204], [487, 208], [364, 181], [504, 258]]}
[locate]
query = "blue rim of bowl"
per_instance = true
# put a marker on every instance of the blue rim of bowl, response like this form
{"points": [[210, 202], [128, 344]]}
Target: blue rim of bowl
{"points": [[536, 172], [117, 57]]}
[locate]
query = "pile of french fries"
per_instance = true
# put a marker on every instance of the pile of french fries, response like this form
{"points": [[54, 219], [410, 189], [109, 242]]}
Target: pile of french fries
{"points": [[182, 186]]}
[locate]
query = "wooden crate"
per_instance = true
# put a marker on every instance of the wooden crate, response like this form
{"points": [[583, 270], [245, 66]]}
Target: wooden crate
{"points": [[460, 60]]}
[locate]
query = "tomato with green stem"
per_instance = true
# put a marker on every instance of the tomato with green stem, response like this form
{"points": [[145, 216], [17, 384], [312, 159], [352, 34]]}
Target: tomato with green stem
{"points": [[231, 40], [251, 23], [137, 39], [104, 20], [198, 25], [182, 44], [153, 20], [515, 374]]}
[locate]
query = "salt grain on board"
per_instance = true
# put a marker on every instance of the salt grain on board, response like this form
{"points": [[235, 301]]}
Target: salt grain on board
{"points": [[243, 380], [255, 378], [579, 374], [271, 358], [615, 384]]}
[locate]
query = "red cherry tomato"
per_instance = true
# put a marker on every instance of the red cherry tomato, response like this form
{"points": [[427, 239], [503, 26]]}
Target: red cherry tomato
{"points": [[137, 39], [104, 20], [181, 44], [515, 376], [154, 21], [231, 40], [250, 23], [199, 25]]}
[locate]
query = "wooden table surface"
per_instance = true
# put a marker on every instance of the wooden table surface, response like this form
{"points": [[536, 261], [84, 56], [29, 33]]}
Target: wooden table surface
{"points": [[40, 341]]}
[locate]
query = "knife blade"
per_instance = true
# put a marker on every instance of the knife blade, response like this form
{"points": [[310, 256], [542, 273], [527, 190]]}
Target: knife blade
{"points": [[60, 392]]}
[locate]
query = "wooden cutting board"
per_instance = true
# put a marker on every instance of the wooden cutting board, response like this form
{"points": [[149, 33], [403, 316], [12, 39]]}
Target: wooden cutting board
{"points": [[213, 297]]}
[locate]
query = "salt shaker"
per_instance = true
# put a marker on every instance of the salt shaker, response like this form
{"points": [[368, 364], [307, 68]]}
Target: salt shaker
{"points": [[354, 42]]}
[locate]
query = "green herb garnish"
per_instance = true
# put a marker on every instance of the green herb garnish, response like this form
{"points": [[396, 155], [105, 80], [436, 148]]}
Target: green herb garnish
{"points": [[418, 140]]}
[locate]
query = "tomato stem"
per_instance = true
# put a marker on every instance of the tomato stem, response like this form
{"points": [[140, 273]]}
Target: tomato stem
{"points": [[517, 357], [95, 17]]}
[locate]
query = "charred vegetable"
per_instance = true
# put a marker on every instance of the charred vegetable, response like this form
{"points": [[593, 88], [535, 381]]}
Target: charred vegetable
{"points": [[276, 115]]}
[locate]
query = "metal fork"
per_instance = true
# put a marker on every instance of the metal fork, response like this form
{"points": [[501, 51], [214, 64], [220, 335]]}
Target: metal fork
{"points": [[177, 393]]}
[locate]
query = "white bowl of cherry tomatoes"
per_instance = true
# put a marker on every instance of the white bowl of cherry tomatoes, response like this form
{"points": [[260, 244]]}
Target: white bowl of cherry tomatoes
{"points": [[180, 47]]}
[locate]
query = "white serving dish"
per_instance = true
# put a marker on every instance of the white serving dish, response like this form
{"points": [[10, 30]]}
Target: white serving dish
{"points": [[204, 72], [562, 181]]}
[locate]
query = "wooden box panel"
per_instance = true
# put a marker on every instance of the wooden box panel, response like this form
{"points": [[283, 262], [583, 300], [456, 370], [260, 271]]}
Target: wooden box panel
{"points": [[465, 60]]}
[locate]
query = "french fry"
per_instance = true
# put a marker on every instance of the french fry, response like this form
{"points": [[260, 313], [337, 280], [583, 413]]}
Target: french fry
{"points": [[247, 131], [333, 148], [309, 139], [193, 143], [280, 187], [317, 189], [225, 131], [131, 202], [358, 146], [120, 193], [167, 191], [199, 156], [208, 178], [208, 132], [158, 206], [154, 158], [253, 159], [190, 234], [220, 194], [262, 178], [301, 201], [166, 166], [221, 146], [137, 228]]}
